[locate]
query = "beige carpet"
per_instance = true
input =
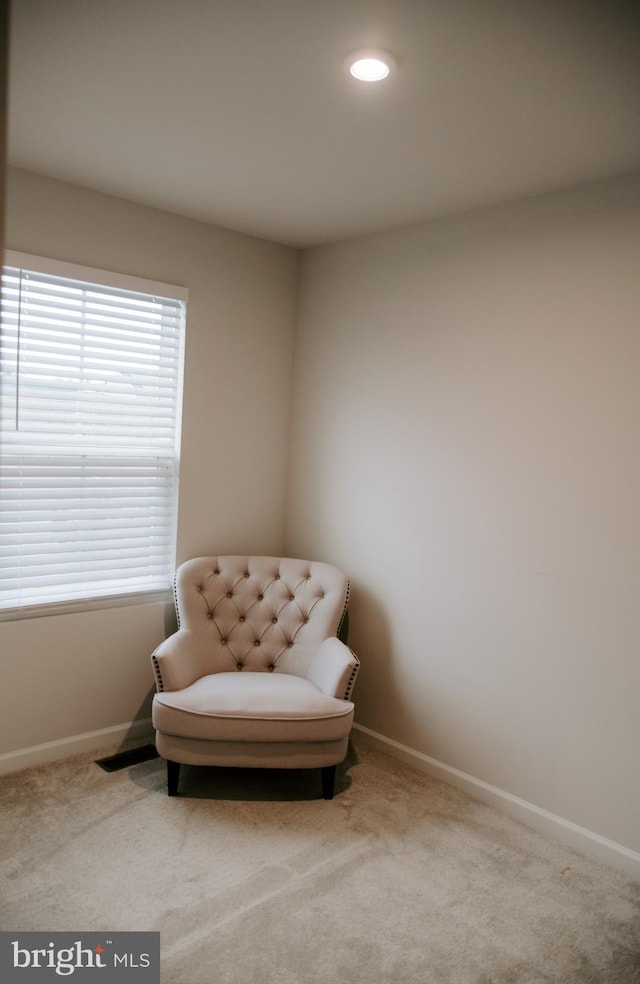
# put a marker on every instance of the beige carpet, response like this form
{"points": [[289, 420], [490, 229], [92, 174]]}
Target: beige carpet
{"points": [[250, 878]]}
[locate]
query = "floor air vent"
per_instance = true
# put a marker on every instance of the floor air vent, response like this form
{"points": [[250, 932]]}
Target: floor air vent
{"points": [[122, 760]]}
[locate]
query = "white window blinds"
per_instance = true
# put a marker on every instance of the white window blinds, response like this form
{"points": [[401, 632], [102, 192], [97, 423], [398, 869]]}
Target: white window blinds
{"points": [[90, 393]]}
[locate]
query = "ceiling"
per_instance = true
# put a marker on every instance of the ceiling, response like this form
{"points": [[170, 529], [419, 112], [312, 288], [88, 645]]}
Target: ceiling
{"points": [[241, 113]]}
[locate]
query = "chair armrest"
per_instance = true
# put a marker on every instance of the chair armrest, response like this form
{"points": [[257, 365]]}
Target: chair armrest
{"points": [[333, 669], [178, 661]]}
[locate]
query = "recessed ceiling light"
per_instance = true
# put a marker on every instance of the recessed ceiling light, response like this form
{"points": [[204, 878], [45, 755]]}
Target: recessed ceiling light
{"points": [[370, 65]]}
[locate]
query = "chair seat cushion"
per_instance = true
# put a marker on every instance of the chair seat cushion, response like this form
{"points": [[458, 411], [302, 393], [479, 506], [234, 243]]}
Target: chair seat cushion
{"points": [[252, 706]]}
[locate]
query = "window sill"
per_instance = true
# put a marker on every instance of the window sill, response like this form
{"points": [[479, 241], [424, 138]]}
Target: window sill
{"points": [[86, 605]]}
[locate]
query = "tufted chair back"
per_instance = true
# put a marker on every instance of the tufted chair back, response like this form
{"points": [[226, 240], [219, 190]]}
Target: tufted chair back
{"points": [[259, 613]]}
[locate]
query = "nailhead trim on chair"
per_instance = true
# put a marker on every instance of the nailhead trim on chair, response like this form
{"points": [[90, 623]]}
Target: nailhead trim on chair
{"points": [[175, 597], [158, 675], [352, 678], [344, 610]]}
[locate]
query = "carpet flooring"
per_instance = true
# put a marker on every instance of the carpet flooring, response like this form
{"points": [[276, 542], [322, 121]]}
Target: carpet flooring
{"points": [[250, 877]]}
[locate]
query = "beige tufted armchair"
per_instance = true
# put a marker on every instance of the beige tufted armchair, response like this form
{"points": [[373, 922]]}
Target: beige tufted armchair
{"points": [[255, 676]]}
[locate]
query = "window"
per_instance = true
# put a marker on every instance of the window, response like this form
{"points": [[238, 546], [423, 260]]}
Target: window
{"points": [[90, 394]]}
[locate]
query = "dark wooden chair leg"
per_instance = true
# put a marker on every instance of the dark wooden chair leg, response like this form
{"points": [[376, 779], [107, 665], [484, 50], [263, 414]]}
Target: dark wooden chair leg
{"points": [[173, 775], [328, 781]]}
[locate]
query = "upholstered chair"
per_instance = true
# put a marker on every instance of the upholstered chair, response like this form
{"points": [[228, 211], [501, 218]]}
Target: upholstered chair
{"points": [[256, 675]]}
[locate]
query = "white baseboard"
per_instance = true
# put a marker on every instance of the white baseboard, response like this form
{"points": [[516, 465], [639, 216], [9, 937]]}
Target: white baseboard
{"points": [[91, 741], [582, 840]]}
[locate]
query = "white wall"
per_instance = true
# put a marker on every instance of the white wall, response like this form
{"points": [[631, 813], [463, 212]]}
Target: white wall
{"points": [[466, 410], [66, 675]]}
